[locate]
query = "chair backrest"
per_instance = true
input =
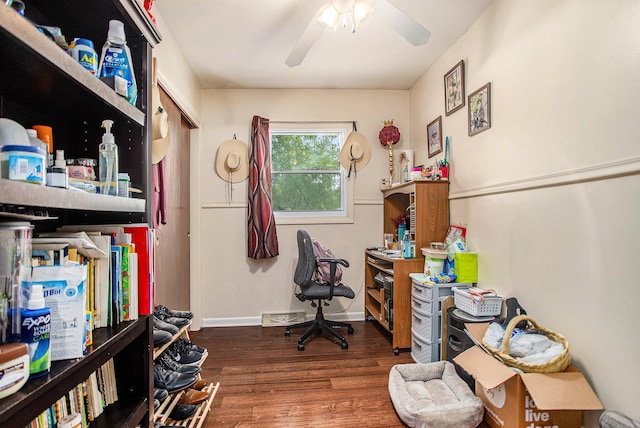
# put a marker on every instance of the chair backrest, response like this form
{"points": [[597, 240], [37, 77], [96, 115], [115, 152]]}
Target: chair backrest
{"points": [[306, 259]]}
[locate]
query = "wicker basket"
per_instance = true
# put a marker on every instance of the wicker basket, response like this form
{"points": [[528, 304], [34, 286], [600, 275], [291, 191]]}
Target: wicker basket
{"points": [[558, 364]]}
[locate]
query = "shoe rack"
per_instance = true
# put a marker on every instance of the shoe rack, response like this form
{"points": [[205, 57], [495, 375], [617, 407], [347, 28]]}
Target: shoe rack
{"points": [[161, 415]]}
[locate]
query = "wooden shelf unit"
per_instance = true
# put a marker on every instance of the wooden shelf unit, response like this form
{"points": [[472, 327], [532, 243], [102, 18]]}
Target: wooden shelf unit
{"points": [[426, 205]]}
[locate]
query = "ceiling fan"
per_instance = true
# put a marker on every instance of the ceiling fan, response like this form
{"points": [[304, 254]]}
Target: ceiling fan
{"points": [[351, 13]]}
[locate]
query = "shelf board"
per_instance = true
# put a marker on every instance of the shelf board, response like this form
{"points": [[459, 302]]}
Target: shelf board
{"points": [[375, 294], [19, 193], [49, 74]]}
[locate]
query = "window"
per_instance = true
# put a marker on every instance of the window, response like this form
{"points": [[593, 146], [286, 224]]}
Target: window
{"points": [[306, 175]]}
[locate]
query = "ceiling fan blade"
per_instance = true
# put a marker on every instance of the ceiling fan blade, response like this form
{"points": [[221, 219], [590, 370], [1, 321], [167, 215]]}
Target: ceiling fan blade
{"points": [[402, 23], [300, 50]]}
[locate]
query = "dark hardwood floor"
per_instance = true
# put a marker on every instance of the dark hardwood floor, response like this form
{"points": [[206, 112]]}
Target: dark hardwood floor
{"points": [[266, 382]]}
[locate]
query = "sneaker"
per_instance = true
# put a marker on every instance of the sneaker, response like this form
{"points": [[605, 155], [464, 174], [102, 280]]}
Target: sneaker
{"points": [[184, 357], [169, 363], [191, 346], [173, 313]]}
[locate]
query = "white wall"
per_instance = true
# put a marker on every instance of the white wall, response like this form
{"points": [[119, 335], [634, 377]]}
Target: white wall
{"points": [[237, 290], [550, 193]]}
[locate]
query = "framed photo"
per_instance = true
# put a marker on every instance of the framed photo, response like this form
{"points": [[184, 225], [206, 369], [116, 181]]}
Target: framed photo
{"points": [[434, 137], [454, 89], [480, 110]]}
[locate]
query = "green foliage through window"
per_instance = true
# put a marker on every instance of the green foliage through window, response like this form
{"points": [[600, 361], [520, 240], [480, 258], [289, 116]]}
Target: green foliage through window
{"points": [[305, 172]]}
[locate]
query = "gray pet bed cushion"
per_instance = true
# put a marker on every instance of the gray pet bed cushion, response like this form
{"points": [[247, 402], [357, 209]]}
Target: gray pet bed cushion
{"points": [[433, 395]]}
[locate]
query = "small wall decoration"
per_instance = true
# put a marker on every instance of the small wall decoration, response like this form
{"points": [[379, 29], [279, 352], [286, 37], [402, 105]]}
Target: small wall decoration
{"points": [[480, 110], [454, 89], [434, 137]]}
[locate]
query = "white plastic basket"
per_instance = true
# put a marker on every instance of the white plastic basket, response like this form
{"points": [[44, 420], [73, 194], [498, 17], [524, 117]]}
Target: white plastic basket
{"points": [[476, 305]]}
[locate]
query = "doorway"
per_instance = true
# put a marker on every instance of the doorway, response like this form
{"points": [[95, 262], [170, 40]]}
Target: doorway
{"points": [[172, 279]]}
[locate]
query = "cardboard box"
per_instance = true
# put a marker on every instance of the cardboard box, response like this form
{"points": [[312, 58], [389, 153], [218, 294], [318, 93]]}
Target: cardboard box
{"points": [[529, 400]]}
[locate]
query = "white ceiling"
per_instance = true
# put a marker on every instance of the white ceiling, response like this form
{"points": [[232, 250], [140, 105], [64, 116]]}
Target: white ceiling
{"points": [[244, 43]]}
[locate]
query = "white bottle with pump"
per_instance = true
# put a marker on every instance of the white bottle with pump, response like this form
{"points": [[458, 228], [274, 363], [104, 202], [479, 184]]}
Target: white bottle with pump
{"points": [[108, 161]]}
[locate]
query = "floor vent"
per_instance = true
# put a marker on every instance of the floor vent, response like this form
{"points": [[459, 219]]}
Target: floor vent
{"points": [[282, 319]]}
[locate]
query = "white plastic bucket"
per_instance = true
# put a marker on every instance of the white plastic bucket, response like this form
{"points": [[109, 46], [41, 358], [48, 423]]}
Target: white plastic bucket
{"points": [[433, 261]]}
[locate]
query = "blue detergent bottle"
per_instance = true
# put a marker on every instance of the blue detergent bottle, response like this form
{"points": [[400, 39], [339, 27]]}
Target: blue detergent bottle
{"points": [[35, 331], [116, 67]]}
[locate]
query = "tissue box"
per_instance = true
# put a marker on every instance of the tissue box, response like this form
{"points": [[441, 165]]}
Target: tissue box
{"points": [[65, 293]]}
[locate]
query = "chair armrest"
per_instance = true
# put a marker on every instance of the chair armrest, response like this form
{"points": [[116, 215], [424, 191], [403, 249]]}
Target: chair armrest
{"points": [[343, 262]]}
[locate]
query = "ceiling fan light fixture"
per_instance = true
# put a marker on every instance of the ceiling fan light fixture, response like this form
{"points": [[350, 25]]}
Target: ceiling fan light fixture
{"points": [[353, 11], [329, 16], [361, 10]]}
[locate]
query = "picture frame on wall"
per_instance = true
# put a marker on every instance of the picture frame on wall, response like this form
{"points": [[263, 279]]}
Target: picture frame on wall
{"points": [[480, 110], [434, 137], [454, 89]]}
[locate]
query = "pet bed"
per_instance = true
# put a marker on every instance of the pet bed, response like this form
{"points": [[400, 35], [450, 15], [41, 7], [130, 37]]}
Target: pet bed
{"points": [[433, 396]]}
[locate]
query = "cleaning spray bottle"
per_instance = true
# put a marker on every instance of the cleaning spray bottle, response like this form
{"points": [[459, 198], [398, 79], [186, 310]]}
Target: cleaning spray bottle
{"points": [[108, 162], [115, 67], [35, 332]]}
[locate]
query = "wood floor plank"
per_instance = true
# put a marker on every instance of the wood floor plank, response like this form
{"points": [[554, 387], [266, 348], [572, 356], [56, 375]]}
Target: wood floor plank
{"points": [[266, 382]]}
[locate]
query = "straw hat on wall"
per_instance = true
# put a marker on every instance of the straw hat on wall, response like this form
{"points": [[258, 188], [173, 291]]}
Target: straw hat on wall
{"points": [[355, 153], [232, 161]]}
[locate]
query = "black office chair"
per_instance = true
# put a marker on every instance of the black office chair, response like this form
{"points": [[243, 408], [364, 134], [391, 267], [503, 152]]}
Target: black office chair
{"points": [[313, 290]]}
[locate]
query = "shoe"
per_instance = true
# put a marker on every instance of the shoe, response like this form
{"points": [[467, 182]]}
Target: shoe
{"points": [[184, 356], [162, 325], [193, 396], [170, 380], [201, 383], [191, 346], [176, 321], [174, 313], [169, 363], [183, 411], [156, 404], [160, 394], [161, 337]]}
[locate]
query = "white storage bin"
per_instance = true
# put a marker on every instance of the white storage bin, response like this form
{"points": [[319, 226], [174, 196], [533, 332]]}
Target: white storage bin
{"points": [[423, 350], [477, 305]]}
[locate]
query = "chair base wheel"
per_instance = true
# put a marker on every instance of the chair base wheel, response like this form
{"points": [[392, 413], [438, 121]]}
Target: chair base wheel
{"points": [[287, 332], [350, 330], [396, 351], [300, 346], [344, 345]]}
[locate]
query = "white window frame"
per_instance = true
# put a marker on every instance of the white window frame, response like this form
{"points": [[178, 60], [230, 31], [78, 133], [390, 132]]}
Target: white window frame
{"points": [[318, 217]]}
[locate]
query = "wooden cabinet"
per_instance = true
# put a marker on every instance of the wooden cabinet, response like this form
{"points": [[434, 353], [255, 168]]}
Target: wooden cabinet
{"points": [[426, 205], [394, 316], [41, 84]]}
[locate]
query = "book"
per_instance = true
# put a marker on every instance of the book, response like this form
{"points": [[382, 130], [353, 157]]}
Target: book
{"points": [[116, 284], [143, 238], [102, 283], [49, 253]]}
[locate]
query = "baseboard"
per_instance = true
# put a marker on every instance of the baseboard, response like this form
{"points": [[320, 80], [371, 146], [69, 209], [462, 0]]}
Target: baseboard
{"points": [[251, 321]]}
